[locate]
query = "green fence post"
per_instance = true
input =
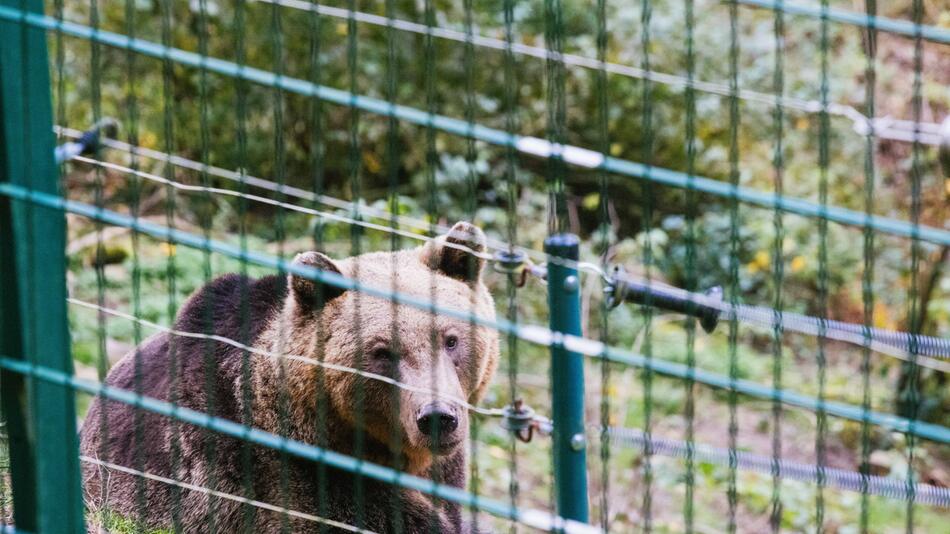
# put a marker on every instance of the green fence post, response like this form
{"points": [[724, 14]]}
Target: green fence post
{"points": [[41, 417], [567, 380]]}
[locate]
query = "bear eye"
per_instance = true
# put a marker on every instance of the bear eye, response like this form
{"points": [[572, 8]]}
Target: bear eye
{"points": [[383, 353], [451, 342]]}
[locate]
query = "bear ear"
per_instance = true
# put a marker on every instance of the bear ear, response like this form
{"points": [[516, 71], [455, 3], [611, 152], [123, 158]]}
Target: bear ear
{"points": [[313, 294], [457, 254]]}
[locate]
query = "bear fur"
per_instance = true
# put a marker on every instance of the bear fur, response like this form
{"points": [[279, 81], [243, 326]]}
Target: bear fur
{"points": [[290, 396]]}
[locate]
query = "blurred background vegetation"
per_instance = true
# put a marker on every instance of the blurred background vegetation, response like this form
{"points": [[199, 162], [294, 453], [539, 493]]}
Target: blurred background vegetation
{"points": [[440, 178]]}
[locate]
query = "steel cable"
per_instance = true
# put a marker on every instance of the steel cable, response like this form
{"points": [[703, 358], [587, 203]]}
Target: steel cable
{"points": [[712, 308], [893, 488], [220, 494]]}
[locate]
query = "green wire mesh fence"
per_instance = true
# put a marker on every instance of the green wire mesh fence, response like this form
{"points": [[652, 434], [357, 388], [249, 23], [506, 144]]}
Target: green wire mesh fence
{"points": [[736, 157]]}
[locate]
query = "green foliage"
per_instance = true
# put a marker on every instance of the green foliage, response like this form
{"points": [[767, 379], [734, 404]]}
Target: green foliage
{"points": [[800, 268]]}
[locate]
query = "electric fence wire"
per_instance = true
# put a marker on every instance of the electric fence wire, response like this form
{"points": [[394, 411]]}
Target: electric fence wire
{"points": [[395, 221], [792, 471], [893, 488], [914, 29], [892, 343], [110, 466], [344, 205], [902, 345], [881, 127], [490, 412]]}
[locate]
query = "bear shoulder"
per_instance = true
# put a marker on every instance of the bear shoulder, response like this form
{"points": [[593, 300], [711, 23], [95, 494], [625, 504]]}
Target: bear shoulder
{"points": [[234, 306]]}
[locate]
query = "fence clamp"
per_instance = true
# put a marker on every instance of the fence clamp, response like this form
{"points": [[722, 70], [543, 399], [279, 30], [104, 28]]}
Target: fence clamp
{"points": [[520, 419]]}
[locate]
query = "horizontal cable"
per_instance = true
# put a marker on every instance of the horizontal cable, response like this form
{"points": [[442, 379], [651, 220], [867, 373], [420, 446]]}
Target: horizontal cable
{"points": [[223, 495], [491, 412], [532, 518], [539, 271], [531, 333], [893, 488], [574, 155], [902, 345], [892, 343], [895, 344], [264, 200], [270, 185], [900, 27], [881, 127]]}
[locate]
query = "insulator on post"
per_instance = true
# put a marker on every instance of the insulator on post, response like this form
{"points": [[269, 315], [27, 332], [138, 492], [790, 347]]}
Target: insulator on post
{"points": [[519, 419], [89, 142], [622, 289], [513, 262]]}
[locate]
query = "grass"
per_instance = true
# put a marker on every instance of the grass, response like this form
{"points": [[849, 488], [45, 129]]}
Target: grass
{"points": [[115, 523]]}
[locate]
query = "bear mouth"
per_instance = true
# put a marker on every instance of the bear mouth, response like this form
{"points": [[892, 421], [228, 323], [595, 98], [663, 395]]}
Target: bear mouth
{"points": [[444, 447]]}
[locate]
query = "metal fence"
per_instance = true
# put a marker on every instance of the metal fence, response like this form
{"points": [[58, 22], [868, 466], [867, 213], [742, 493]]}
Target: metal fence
{"points": [[39, 383]]}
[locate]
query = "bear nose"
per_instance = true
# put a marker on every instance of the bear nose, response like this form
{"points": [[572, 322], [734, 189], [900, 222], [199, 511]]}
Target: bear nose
{"points": [[437, 417]]}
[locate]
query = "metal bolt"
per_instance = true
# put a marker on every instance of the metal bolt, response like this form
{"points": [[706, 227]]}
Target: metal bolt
{"points": [[578, 442], [570, 283]]}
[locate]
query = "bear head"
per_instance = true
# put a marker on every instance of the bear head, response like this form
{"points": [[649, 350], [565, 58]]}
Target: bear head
{"points": [[416, 369]]}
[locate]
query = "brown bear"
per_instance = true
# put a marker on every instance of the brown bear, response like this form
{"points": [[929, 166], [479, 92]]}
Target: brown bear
{"points": [[407, 428]]}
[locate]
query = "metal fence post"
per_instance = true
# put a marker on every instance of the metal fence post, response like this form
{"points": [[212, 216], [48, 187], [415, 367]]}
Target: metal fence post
{"points": [[567, 380], [41, 417]]}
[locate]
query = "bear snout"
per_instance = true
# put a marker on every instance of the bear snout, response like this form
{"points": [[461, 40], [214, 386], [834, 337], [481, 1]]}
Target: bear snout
{"points": [[439, 422]]}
